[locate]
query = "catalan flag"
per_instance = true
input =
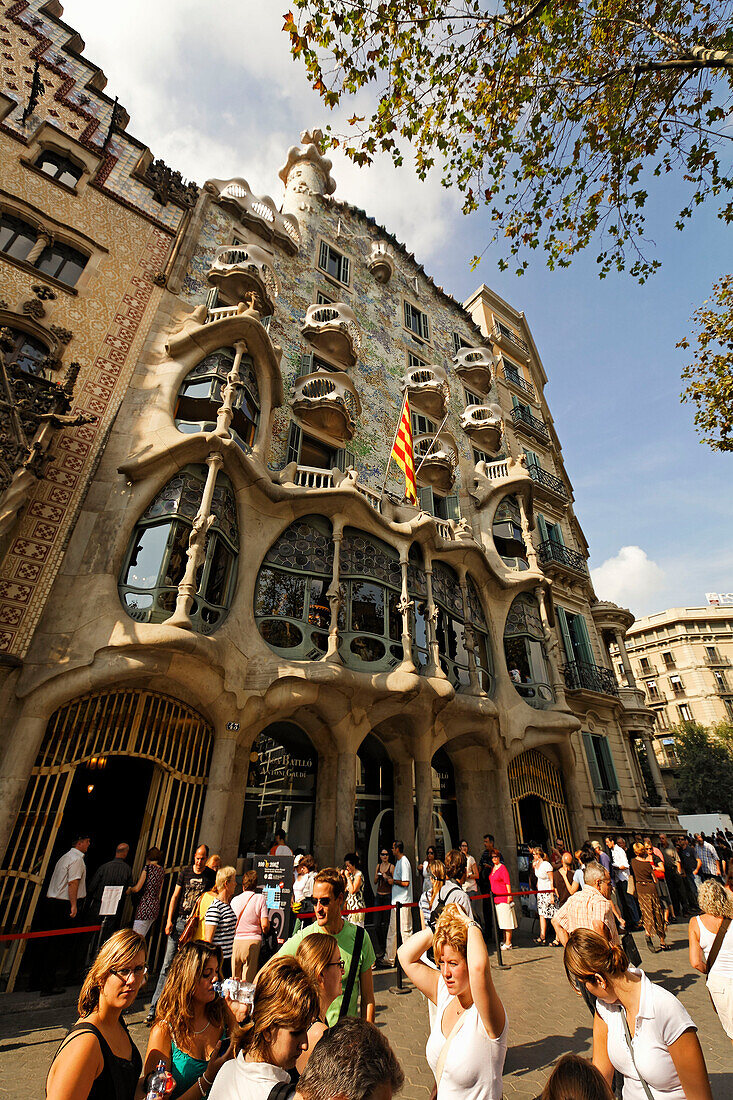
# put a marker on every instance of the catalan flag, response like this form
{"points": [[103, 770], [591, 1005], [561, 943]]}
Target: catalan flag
{"points": [[402, 451]]}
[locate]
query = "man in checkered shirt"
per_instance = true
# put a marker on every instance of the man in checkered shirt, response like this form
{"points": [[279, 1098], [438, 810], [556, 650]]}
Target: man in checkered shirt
{"points": [[708, 857]]}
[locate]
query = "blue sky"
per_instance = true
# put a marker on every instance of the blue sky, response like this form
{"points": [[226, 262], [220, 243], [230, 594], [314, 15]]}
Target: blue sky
{"points": [[212, 89]]}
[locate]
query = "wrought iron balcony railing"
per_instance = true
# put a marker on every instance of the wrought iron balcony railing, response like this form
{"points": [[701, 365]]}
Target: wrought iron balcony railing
{"points": [[580, 676], [516, 379], [610, 809], [547, 480], [503, 332], [523, 418], [550, 551]]}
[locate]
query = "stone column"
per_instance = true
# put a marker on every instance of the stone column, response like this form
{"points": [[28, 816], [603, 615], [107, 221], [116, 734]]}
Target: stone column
{"points": [[424, 799], [529, 546], [17, 764], [624, 654], [225, 412], [327, 797], [235, 805], [475, 796], [404, 813], [433, 668], [654, 766], [196, 547], [218, 790], [335, 592], [405, 608], [42, 241], [505, 834], [345, 801], [552, 647]]}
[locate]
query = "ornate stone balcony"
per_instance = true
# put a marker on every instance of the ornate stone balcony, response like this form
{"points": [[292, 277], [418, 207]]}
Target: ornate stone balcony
{"points": [[244, 270], [329, 403], [475, 367], [257, 211], [334, 329], [428, 390], [484, 426], [381, 261], [436, 460]]}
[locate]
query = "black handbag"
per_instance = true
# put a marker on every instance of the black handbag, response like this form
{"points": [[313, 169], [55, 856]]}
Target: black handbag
{"points": [[632, 951]]}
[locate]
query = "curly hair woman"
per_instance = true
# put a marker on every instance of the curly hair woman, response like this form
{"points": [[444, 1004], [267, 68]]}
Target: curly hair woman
{"points": [[715, 922], [98, 1060], [190, 1023], [468, 1038]]}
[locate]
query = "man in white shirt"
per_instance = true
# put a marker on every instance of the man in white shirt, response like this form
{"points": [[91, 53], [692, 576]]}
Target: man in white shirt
{"points": [[401, 882], [280, 847], [65, 892], [620, 876]]}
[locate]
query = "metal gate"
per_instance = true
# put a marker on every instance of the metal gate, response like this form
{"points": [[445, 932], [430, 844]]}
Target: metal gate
{"points": [[141, 724], [531, 773]]}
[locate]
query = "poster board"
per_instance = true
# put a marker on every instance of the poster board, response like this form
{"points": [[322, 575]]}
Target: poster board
{"points": [[275, 881]]}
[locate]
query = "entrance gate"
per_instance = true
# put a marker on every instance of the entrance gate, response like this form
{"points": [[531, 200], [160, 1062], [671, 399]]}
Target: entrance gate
{"points": [[90, 731], [537, 794]]}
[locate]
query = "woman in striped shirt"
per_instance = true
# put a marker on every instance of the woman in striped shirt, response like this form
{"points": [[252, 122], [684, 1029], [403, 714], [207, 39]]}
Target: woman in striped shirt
{"points": [[221, 922]]}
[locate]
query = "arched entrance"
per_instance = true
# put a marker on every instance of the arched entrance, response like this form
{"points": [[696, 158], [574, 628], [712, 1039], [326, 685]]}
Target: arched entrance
{"points": [[281, 789], [374, 810], [538, 799], [125, 765], [445, 810]]}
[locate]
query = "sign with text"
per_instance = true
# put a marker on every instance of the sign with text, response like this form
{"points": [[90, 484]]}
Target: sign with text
{"points": [[719, 599], [275, 881]]}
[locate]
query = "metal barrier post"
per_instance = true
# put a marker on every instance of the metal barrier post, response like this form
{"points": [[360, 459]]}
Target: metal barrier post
{"points": [[399, 988], [497, 934]]}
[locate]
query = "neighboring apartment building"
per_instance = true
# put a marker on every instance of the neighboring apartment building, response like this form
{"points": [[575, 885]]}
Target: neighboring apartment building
{"points": [[682, 658], [238, 627]]}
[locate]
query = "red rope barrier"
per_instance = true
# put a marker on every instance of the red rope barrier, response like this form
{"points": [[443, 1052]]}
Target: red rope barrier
{"points": [[51, 932]]}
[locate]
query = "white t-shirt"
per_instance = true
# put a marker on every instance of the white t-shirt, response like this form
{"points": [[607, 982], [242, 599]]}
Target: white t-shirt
{"points": [[240, 1080], [723, 965], [471, 885], [543, 871], [660, 1021], [620, 864], [403, 872], [283, 850], [579, 877], [303, 885], [70, 866], [475, 1062]]}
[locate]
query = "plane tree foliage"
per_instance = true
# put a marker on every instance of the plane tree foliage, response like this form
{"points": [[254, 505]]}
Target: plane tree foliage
{"points": [[710, 375], [553, 116]]}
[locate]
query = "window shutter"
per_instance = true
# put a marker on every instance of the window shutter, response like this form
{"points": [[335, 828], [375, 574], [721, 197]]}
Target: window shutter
{"points": [[424, 326], [323, 256], [567, 641], [452, 508], [556, 535], [345, 268], [212, 298], [516, 403], [344, 459], [608, 761], [590, 755], [583, 640], [425, 496], [542, 526], [295, 437], [532, 458], [306, 362]]}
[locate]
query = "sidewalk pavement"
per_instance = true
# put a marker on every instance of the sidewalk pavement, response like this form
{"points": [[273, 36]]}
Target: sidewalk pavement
{"points": [[546, 1019]]}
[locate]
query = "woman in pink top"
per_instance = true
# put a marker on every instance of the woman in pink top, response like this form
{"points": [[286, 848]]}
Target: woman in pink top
{"points": [[250, 909], [501, 887]]}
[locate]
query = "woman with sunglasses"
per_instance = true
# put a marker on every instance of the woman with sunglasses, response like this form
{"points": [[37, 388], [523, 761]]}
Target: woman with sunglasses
{"points": [[321, 960], [640, 1029], [427, 885], [192, 1023], [98, 1059], [382, 896]]}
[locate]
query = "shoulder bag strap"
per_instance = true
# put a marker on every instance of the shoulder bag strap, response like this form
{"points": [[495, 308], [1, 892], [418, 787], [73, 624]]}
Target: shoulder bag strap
{"points": [[717, 944], [443, 1056], [244, 910], [630, 1045], [283, 1090], [353, 971]]}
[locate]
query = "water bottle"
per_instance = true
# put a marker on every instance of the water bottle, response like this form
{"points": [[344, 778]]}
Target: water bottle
{"points": [[158, 1084]]}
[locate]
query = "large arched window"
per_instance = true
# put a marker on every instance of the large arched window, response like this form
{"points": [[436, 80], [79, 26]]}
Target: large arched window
{"points": [[372, 575], [156, 559], [59, 167], [507, 531], [27, 354], [449, 624], [482, 643], [524, 649], [17, 237], [199, 397], [291, 600]]}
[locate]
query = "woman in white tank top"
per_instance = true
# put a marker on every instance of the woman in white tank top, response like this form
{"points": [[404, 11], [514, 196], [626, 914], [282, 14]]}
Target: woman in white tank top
{"points": [[716, 906], [468, 1037]]}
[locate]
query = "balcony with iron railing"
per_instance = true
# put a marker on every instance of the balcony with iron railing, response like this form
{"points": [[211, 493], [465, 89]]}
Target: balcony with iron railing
{"points": [[553, 553], [611, 811], [327, 402], [515, 379], [333, 329], [503, 334], [525, 421], [544, 480], [717, 660], [580, 676]]}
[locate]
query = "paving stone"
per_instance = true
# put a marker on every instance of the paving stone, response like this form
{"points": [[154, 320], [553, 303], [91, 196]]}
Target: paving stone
{"points": [[546, 1019]]}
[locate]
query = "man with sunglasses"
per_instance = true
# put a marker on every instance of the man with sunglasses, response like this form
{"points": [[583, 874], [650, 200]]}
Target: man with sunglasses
{"points": [[357, 953]]}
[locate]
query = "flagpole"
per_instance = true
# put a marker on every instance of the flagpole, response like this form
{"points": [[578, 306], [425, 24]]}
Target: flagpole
{"points": [[394, 440], [440, 429]]}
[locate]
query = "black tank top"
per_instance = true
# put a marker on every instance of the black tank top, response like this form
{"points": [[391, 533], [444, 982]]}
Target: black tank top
{"points": [[119, 1077]]}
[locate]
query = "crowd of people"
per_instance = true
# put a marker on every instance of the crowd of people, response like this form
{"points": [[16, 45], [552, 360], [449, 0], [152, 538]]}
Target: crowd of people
{"points": [[312, 996]]}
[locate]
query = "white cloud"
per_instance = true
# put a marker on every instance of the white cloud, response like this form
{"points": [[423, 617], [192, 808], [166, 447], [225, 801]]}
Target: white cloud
{"points": [[630, 579]]}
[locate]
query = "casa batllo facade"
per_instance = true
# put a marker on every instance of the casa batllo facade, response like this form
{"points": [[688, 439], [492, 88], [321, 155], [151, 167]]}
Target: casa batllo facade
{"points": [[230, 625]]}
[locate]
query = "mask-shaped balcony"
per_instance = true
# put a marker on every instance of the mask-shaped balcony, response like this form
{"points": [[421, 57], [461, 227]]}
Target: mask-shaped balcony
{"points": [[329, 403], [381, 261], [483, 426], [243, 270], [475, 366], [334, 329], [439, 467], [428, 390]]}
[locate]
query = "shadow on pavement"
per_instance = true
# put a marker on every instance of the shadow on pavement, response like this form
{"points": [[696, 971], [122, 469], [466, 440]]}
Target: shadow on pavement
{"points": [[526, 1057]]}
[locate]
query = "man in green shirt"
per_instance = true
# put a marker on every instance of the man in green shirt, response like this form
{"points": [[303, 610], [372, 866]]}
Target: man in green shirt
{"points": [[329, 895]]}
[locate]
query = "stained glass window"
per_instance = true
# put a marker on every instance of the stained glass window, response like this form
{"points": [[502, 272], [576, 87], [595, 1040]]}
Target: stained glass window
{"points": [[507, 531], [200, 397], [524, 649]]}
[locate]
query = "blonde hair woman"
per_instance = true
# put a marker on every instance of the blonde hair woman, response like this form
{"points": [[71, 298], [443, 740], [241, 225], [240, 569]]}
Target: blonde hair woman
{"points": [[665, 1054], [191, 1022], [321, 960], [98, 1060], [221, 922], [468, 1037], [715, 925], [275, 1035]]}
